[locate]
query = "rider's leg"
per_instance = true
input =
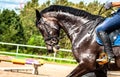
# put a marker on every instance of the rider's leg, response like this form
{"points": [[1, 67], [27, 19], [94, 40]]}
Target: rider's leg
{"points": [[106, 27], [107, 44]]}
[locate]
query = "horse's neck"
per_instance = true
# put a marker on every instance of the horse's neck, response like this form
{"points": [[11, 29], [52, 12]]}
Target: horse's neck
{"points": [[74, 26], [78, 33], [75, 30]]}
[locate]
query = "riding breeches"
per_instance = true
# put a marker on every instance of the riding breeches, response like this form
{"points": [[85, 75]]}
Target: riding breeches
{"points": [[109, 24]]}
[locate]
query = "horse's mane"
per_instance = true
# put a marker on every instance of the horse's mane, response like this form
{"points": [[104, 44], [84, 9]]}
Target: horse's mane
{"points": [[74, 11]]}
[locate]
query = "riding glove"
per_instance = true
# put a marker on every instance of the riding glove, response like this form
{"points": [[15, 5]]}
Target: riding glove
{"points": [[108, 5]]}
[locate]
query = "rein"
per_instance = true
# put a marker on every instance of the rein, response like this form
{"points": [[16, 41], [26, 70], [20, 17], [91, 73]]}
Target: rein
{"points": [[48, 34]]}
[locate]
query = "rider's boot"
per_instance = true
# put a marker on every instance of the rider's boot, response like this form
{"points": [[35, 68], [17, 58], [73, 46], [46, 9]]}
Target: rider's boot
{"points": [[107, 45]]}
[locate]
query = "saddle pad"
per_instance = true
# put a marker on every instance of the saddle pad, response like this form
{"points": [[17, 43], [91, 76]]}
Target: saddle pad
{"points": [[116, 42]]}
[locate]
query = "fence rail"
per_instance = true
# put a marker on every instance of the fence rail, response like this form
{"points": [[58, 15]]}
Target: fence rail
{"points": [[22, 45], [28, 55]]}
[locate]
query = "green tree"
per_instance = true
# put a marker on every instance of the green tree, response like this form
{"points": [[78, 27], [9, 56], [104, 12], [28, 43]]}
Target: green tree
{"points": [[27, 15], [60, 2], [93, 7], [11, 29], [31, 33]]}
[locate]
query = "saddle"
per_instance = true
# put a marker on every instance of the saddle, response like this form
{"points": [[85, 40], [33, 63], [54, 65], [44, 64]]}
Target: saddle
{"points": [[114, 37]]}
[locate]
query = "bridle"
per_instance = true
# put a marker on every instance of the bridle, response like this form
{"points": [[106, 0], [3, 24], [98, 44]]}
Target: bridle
{"points": [[49, 36]]}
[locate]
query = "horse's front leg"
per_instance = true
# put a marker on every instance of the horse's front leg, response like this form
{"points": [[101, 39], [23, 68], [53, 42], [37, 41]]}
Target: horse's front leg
{"points": [[79, 71], [101, 72], [85, 66]]}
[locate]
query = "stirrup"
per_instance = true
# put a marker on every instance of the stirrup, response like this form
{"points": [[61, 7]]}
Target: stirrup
{"points": [[103, 59]]}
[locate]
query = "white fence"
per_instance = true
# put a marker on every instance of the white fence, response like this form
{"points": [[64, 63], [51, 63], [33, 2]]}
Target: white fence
{"points": [[21, 45]]}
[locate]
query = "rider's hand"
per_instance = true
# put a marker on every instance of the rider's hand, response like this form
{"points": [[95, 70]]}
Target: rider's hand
{"points": [[108, 5]]}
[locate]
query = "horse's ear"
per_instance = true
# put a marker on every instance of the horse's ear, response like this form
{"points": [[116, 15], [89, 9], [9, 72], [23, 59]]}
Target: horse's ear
{"points": [[38, 15]]}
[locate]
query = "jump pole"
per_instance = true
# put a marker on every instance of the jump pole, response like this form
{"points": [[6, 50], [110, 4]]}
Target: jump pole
{"points": [[36, 63]]}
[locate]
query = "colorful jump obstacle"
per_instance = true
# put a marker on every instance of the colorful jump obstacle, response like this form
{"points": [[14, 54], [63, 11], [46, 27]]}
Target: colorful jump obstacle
{"points": [[35, 62]]}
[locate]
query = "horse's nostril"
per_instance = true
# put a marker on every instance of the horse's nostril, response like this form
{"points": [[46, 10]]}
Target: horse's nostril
{"points": [[50, 51]]}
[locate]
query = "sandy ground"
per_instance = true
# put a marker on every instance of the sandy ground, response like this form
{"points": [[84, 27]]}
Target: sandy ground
{"points": [[47, 70]]}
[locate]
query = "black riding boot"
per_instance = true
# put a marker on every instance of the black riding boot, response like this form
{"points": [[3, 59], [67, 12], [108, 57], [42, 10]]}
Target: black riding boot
{"points": [[107, 44]]}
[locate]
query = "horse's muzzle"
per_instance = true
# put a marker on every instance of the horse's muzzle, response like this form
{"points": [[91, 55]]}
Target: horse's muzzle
{"points": [[56, 48], [53, 49]]}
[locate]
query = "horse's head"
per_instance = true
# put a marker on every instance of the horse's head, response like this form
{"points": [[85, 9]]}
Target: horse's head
{"points": [[49, 29]]}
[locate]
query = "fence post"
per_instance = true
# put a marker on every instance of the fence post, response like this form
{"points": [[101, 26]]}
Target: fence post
{"points": [[54, 56], [17, 50]]}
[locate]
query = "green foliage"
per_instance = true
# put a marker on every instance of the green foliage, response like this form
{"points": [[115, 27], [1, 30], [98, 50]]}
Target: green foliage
{"points": [[27, 16], [92, 7], [11, 27], [36, 40]]}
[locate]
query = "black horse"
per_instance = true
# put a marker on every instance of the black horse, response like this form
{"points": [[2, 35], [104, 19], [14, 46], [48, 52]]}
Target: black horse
{"points": [[79, 27]]}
